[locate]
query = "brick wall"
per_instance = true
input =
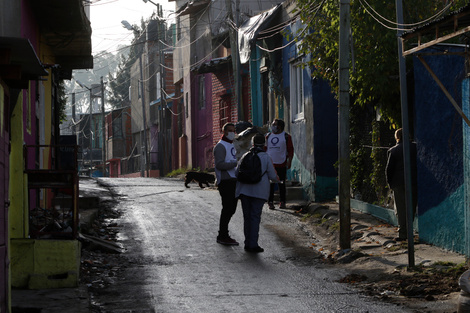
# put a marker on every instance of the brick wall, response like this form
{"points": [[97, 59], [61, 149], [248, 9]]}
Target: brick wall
{"points": [[168, 83], [222, 92], [246, 94]]}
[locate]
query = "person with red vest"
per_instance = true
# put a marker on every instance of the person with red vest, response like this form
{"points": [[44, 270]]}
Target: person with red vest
{"points": [[281, 150]]}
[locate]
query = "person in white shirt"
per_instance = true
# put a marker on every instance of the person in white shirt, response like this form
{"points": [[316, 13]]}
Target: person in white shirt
{"points": [[281, 150], [225, 165]]}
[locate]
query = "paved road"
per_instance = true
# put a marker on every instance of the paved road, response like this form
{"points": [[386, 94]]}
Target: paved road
{"points": [[175, 264]]}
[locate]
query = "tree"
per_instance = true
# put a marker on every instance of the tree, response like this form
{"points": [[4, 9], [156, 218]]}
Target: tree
{"points": [[120, 81], [62, 100], [374, 74], [119, 84]]}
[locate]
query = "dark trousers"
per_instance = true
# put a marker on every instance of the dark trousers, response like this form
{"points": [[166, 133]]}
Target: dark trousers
{"points": [[229, 205], [281, 173], [252, 208], [400, 209]]}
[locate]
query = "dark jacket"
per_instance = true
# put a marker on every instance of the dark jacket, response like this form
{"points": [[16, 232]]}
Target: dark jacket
{"points": [[396, 167]]}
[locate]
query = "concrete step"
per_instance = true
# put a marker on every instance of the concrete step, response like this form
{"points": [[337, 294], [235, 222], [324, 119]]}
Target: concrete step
{"points": [[293, 193]]}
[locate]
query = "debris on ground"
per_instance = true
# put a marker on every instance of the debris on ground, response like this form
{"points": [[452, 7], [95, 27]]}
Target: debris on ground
{"points": [[372, 263]]}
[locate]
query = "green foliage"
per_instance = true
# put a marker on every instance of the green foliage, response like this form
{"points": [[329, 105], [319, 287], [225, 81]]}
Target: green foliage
{"points": [[177, 172], [379, 161], [183, 170], [120, 81], [306, 217], [360, 153], [335, 226], [119, 84], [62, 101]]}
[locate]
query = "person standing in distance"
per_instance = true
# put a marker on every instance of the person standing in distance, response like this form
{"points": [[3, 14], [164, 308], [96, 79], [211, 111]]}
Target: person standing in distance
{"points": [[226, 181], [281, 150], [253, 196], [395, 172]]}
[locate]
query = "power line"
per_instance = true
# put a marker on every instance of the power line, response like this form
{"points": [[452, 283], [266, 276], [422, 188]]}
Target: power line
{"points": [[399, 26]]}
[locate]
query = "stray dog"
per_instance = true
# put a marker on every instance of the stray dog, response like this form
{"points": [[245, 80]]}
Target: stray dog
{"points": [[201, 178]]}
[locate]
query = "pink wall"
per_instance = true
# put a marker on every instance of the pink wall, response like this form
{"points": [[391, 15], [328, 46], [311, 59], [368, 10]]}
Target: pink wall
{"points": [[202, 115]]}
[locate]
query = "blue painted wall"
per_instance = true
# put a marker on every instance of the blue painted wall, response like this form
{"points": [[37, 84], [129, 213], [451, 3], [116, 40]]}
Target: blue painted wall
{"points": [[466, 161], [315, 137], [438, 133], [325, 132]]}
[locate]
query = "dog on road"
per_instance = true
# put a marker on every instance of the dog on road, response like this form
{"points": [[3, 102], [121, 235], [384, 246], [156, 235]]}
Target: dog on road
{"points": [[200, 178]]}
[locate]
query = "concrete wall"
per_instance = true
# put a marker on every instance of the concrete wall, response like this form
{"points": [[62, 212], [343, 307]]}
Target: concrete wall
{"points": [[438, 134], [44, 264], [152, 173]]}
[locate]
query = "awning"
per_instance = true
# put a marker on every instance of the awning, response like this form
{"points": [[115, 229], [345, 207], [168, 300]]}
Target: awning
{"points": [[192, 7], [248, 32], [19, 62]]}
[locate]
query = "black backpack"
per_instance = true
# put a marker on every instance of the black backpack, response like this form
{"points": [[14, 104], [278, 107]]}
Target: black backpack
{"points": [[249, 171]]}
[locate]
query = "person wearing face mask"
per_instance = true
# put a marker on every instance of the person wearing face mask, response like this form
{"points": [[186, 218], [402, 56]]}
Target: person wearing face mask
{"points": [[281, 150], [225, 171]]}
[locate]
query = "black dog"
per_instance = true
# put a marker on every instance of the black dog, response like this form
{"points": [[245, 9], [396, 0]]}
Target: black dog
{"points": [[201, 178]]}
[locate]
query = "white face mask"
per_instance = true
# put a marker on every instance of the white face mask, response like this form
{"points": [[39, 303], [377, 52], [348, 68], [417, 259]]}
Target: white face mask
{"points": [[274, 129], [230, 136]]}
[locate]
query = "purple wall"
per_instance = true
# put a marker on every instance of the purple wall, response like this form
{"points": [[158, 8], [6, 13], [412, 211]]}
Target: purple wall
{"points": [[202, 115]]}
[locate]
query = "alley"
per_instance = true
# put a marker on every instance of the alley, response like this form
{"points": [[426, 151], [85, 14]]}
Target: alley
{"points": [[173, 263]]}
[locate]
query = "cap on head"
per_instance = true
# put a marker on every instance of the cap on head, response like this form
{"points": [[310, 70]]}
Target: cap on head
{"points": [[258, 140]]}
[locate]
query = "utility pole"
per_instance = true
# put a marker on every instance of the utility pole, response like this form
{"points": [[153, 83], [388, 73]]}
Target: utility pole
{"points": [[406, 139], [103, 133], [235, 56], [161, 36], [90, 119], [73, 118], [238, 83], [144, 164], [343, 127], [91, 130]]}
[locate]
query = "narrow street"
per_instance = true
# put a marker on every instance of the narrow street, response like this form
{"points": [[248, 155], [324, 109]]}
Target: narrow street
{"points": [[172, 262]]}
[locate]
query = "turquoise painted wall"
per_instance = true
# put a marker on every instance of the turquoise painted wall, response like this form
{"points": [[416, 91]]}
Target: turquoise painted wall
{"points": [[443, 224], [316, 188], [256, 103]]}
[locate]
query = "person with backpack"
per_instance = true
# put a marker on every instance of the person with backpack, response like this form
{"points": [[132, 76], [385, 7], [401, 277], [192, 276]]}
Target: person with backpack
{"points": [[281, 150], [254, 171], [225, 162]]}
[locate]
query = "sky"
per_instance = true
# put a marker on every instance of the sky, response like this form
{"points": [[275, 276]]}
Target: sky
{"points": [[106, 17]]}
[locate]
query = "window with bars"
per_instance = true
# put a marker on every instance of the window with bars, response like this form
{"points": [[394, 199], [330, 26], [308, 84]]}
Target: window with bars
{"points": [[224, 111]]}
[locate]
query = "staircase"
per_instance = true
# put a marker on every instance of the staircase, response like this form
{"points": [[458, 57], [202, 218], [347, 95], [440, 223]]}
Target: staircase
{"points": [[294, 193]]}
